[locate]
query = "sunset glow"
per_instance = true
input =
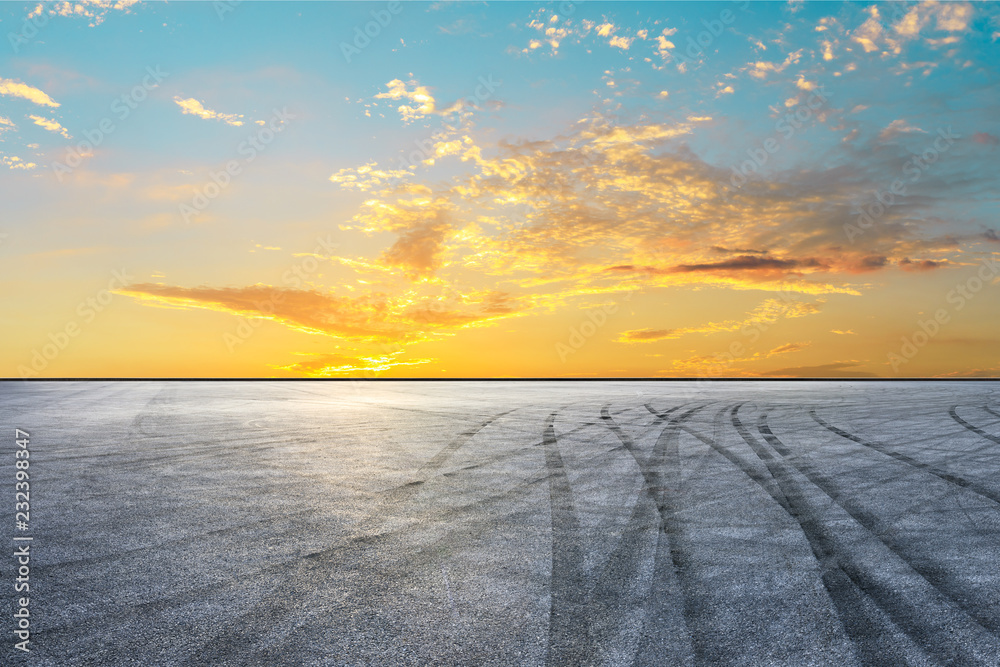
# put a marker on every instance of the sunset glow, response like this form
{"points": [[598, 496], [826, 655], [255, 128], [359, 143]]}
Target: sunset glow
{"points": [[458, 189]]}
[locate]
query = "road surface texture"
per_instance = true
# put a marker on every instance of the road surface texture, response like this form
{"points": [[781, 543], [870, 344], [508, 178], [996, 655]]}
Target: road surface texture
{"points": [[507, 523]]}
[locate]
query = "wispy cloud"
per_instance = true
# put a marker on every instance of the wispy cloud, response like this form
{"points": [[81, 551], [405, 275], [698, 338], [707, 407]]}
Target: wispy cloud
{"points": [[12, 88], [50, 125], [195, 108]]}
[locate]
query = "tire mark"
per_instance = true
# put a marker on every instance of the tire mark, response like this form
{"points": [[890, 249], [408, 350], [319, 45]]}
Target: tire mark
{"points": [[970, 485], [330, 555], [570, 638], [911, 618], [428, 470], [853, 606], [974, 429], [382, 575], [249, 629], [672, 576], [624, 564], [991, 411]]}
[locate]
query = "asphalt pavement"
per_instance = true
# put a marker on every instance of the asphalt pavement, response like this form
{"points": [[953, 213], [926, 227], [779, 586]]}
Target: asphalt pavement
{"points": [[505, 523]]}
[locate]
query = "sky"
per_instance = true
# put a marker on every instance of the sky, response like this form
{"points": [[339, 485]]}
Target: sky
{"points": [[503, 189]]}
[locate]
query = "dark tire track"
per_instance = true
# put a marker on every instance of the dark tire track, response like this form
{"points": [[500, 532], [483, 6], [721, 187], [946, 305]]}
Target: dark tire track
{"points": [[975, 429], [672, 577], [854, 607], [382, 576], [251, 628], [957, 480], [330, 557], [913, 618], [625, 561], [570, 638]]}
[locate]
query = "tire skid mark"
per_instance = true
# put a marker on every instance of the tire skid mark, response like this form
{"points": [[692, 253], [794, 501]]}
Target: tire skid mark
{"points": [[910, 617], [766, 482], [671, 569], [120, 555], [975, 429], [311, 566], [971, 485], [251, 628], [625, 562], [937, 578], [991, 411], [329, 556], [852, 604], [429, 469], [570, 638]]}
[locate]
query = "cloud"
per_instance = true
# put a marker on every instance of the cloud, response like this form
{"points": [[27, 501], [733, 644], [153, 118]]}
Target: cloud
{"points": [[650, 335], [751, 263], [834, 369], [741, 251], [871, 32], [973, 373], [95, 10], [896, 127], [195, 108], [326, 365], [367, 178], [621, 42], [50, 125], [919, 265], [870, 263], [14, 162], [769, 311], [418, 249], [948, 16], [609, 205], [786, 348], [370, 318], [13, 88], [423, 102], [761, 68]]}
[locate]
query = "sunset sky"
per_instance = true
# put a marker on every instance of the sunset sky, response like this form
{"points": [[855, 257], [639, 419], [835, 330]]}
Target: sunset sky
{"points": [[508, 189]]}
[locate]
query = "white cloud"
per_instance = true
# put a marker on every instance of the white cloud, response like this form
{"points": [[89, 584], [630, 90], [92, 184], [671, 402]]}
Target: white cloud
{"points": [[17, 89], [95, 10], [897, 127], [423, 102], [196, 108], [50, 125]]}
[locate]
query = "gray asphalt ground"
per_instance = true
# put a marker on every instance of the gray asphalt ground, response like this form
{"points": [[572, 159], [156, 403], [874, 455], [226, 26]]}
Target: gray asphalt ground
{"points": [[507, 523]]}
